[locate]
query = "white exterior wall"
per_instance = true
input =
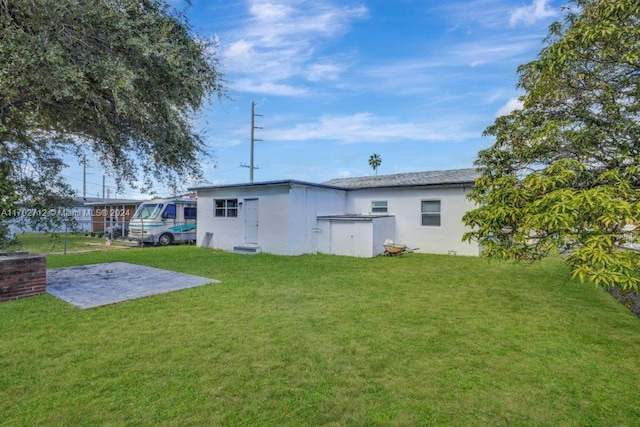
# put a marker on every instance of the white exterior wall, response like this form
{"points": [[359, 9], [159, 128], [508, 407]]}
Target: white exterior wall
{"points": [[273, 217], [323, 236], [383, 229], [405, 205], [359, 237], [229, 232], [306, 204], [346, 237], [287, 217]]}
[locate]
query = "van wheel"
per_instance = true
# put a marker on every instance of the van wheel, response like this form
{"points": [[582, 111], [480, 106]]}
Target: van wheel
{"points": [[165, 239]]}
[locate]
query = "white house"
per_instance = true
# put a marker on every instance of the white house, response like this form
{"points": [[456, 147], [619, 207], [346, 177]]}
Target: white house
{"points": [[350, 216]]}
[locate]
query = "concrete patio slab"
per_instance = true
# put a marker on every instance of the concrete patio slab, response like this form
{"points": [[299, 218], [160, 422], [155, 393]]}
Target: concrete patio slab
{"points": [[94, 285]]}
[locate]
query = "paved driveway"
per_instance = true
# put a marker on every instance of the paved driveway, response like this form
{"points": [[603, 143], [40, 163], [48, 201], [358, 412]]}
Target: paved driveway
{"points": [[94, 285]]}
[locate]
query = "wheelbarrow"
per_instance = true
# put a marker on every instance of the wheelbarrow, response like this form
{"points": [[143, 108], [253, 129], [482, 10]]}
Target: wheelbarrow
{"points": [[393, 249]]}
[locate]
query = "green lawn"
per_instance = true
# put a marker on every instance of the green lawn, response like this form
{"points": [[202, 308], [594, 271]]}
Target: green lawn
{"points": [[47, 244], [324, 340]]}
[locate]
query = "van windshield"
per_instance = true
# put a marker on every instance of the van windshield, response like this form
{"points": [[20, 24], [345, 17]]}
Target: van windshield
{"points": [[148, 211]]}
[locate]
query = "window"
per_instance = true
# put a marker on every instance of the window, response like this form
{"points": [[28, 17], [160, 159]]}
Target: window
{"points": [[226, 208], [431, 213], [379, 207], [190, 212], [170, 211], [148, 211]]}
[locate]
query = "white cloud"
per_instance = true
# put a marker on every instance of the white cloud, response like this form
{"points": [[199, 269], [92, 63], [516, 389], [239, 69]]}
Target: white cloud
{"points": [[324, 71], [511, 105], [475, 15], [267, 88], [238, 53], [366, 128], [445, 70], [274, 49], [529, 14], [277, 25], [268, 11], [492, 50]]}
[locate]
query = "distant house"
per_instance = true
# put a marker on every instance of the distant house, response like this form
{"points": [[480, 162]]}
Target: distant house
{"points": [[106, 212], [349, 216], [80, 211]]}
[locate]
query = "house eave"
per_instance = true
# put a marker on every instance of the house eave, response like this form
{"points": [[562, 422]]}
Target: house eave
{"points": [[467, 184], [114, 202], [281, 183], [353, 217]]}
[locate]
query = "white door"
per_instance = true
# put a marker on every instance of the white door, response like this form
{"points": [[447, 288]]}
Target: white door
{"points": [[342, 238], [251, 221]]}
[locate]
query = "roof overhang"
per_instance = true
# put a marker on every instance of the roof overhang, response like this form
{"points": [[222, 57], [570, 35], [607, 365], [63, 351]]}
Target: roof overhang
{"points": [[437, 185], [353, 217], [281, 183], [114, 202]]}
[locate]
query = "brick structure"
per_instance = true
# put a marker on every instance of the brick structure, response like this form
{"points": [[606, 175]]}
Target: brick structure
{"points": [[22, 276]]}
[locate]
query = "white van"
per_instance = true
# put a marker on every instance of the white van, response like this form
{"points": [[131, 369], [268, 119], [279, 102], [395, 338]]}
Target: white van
{"points": [[164, 221]]}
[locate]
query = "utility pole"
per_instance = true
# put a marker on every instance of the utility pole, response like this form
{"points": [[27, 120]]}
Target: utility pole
{"points": [[84, 176], [104, 215], [253, 139]]}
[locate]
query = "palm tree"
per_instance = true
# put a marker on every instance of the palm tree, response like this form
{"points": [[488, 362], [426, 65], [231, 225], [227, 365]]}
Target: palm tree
{"points": [[374, 161]]}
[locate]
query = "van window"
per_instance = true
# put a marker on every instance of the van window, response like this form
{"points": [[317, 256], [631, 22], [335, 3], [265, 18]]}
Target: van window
{"points": [[170, 212], [190, 212], [148, 211]]}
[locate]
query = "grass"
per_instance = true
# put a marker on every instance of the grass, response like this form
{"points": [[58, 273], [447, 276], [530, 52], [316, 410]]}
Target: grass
{"points": [[45, 243], [325, 340]]}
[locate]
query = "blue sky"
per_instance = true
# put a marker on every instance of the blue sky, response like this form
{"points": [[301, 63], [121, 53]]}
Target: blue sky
{"points": [[336, 81]]}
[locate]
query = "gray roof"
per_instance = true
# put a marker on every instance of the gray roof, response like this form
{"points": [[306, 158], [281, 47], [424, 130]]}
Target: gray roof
{"points": [[445, 177], [282, 182], [99, 201]]}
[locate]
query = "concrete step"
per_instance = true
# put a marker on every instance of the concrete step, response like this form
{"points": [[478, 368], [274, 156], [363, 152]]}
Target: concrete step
{"points": [[247, 250]]}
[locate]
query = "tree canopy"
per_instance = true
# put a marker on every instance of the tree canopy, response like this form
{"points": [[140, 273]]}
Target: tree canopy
{"points": [[564, 171], [118, 79]]}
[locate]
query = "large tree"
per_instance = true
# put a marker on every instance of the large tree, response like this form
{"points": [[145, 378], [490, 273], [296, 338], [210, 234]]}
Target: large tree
{"points": [[564, 171], [118, 79]]}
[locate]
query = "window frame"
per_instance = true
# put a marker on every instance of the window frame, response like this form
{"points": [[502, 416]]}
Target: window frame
{"points": [[379, 209], [157, 208], [431, 214], [170, 215], [227, 209], [192, 210]]}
